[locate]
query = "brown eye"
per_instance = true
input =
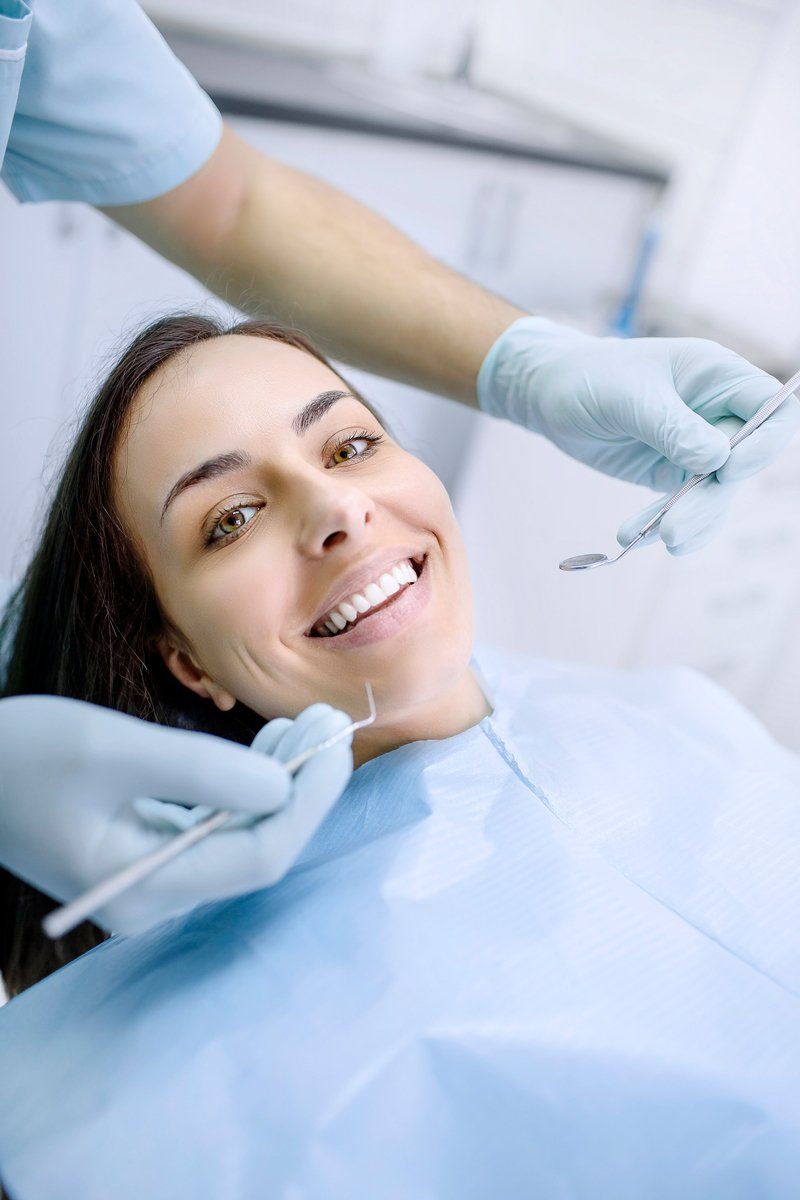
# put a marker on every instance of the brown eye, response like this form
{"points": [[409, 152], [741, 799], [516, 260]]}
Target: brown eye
{"points": [[232, 521], [348, 449]]}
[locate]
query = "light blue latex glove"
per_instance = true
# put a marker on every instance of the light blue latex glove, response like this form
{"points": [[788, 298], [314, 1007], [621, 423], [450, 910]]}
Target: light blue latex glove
{"points": [[75, 806], [650, 410]]}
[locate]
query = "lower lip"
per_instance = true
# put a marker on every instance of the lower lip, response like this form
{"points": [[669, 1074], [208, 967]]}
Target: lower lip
{"points": [[396, 616]]}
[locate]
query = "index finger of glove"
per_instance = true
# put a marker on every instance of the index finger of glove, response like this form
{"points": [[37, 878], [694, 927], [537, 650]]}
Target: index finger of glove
{"points": [[703, 509], [661, 419], [166, 817], [232, 861], [269, 736], [700, 509], [197, 768], [318, 784], [631, 528], [764, 445], [312, 726]]}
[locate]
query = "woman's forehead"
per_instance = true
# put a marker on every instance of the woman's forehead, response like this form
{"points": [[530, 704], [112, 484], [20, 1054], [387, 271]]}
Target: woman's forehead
{"points": [[235, 393], [237, 375]]}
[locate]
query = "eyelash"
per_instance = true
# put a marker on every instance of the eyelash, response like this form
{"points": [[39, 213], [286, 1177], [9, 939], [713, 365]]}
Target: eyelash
{"points": [[208, 537]]}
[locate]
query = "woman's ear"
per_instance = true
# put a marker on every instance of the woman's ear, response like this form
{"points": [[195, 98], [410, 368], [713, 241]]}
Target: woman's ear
{"points": [[181, 664]]}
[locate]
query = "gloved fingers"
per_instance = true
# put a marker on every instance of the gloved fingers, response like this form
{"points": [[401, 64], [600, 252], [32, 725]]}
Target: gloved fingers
{"points": [[718, 382], [723, 385], [270, 734], [310, 727], [661, 419], [629, 529], [235, 860], [698, 517], [325, 723], [313, 724], [699, 541], [702, 509], [318, 784], [231, 861], [319, 722], [197, 768], [764, 445], [165, 817], [745, 395], [663, 476]]}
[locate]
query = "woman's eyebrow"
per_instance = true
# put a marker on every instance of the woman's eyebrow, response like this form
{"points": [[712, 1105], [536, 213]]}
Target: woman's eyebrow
{"points": [[212, 468], [316, 409], [237, 460]]}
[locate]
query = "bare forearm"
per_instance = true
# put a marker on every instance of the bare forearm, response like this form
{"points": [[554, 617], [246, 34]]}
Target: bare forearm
{"points": [[285, 245]]}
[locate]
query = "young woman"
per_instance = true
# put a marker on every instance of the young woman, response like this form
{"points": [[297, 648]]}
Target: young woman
{"points": [[135, 600], [545, 944]]}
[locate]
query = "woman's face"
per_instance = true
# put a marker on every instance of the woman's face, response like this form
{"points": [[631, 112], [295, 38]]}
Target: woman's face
{"points": [[265, 498]]}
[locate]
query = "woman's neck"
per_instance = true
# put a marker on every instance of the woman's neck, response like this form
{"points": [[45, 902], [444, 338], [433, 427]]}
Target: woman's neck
{"points": [[460, 708]]}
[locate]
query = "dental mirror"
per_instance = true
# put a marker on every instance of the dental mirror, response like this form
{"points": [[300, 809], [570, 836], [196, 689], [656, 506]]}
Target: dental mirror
{"points": [[582, 562]]}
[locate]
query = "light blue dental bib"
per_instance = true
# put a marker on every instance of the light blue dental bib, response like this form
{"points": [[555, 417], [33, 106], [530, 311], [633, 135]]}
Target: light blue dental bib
{"points": [[554, 956]]}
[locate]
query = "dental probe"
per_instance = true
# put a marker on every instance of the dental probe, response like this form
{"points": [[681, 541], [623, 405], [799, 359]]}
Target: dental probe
{"points": [[61, 920], [585, 562]]}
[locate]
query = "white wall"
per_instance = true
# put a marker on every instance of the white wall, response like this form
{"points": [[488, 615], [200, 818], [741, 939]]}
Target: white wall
{"points": [[711, 90], [744, 266]]}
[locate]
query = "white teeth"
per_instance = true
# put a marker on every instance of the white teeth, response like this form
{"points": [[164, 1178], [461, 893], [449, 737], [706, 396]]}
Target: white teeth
{"points": [[389, 584]]}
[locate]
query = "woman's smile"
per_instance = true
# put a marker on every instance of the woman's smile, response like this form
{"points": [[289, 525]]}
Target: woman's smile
{"points": [[394, 602]]}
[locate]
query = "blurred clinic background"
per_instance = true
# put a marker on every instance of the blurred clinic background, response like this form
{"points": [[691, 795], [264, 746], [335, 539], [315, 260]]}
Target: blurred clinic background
{"points": [[628, 166]]}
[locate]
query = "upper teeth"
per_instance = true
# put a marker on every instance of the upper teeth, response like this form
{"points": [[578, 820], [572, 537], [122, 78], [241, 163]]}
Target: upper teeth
{"points": [[372, 595]]}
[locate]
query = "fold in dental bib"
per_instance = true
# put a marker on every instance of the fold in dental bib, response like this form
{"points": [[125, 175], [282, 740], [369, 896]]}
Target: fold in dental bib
{"points": [[553, 956]]}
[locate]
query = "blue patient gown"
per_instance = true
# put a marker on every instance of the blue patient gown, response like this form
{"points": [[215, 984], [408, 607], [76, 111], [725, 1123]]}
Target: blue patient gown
{"points": [[553, 956]]}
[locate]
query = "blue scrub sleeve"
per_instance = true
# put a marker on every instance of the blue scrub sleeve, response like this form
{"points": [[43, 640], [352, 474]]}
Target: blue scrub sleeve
{"points": [[15, 22], [105, 113]]}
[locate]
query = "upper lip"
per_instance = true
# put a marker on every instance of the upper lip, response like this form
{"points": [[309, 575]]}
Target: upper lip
{"points": [[366, 572]]}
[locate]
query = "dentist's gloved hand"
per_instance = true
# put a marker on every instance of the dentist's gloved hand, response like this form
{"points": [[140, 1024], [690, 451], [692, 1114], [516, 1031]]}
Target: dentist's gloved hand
{"points": [[643, 409], [76, 783]]}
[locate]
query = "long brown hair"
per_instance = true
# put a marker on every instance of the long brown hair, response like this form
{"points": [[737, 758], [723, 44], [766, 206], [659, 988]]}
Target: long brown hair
{"points": [[85, 617]]}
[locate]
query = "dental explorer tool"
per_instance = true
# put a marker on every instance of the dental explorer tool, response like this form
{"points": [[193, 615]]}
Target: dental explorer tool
{"points": [[585, 562], [62, 920]]}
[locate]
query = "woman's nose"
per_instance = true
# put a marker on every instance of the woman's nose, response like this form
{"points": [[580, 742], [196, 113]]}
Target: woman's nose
{"points": [[335, 516]]}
